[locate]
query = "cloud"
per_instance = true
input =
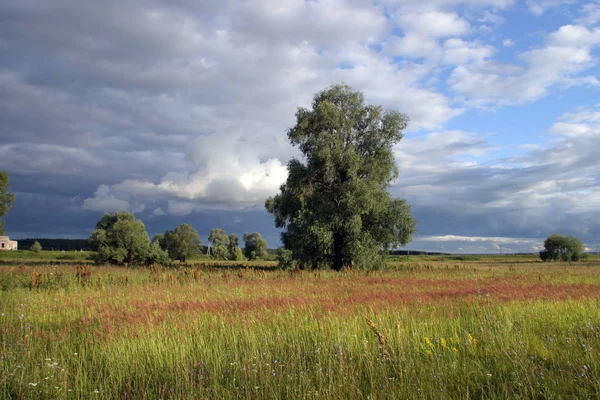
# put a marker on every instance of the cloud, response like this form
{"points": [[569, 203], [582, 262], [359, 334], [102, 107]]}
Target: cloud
{"points": [[422, 31], [158, 212], [590, 13], [552, 187], [477, 244], [179, 110], [539, 7], [106, 201], [561, 62], [459, 52]]}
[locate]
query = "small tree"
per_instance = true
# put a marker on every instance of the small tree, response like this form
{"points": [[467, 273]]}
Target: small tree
{"points": [[121, 239], [220, 242], [182, 243], [235, 253], [256, 246], [6, 199], [157, 255], [558, 247], [36, 247]]}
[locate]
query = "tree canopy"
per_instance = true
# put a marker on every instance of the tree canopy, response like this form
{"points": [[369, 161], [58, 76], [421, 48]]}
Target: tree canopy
{"points": [[122, 239], [562, 248], [220, 242], [255, 246], [334, 206], [6, 199], [234, 252], [182, 243]]}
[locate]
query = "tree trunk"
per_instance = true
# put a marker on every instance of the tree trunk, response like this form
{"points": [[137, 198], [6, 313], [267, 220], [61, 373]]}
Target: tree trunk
{"points": [[338, 251]]}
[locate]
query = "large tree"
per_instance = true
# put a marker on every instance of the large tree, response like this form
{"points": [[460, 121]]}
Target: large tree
{"points": [[334, 206], [6, 199], [122, 239], [182, 243], [563, 248]]}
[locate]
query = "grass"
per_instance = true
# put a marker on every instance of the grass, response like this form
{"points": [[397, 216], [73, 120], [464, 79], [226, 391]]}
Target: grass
{"points": [[28, 256], [429, 329]]}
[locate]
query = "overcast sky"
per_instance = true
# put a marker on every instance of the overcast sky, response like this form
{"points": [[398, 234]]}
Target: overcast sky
{"points": [[177, 110]]}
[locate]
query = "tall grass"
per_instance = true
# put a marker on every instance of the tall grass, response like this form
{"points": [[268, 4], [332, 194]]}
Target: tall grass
{"points": [[424, 331]]}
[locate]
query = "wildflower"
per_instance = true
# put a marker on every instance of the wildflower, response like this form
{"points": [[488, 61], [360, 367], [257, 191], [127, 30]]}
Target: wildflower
{"points": [[443, 342], [454, 349], [472, 340], [428, 342]]}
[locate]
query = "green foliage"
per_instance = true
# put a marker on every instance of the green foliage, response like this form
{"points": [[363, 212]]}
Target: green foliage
{"points": [[335, 208], [218, 237], [36, 247], [158, 238], [234, 252], [6, 199], [562, 248], [220, 252], [121, 239], [220, 242], [256, 246], [285, 259], [157, 255], [182, 243]]}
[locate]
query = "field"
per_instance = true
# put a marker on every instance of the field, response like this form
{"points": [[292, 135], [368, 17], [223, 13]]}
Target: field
{"points": [[44, 257], [425, 328]]}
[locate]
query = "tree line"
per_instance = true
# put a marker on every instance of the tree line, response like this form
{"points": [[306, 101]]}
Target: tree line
{"points": [[122, 239]]}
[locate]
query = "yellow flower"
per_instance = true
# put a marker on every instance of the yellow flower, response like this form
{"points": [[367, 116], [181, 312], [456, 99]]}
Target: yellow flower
{"points": [[428, 352], [428, 342], [454, 350], [443, 342], [472, 340]]}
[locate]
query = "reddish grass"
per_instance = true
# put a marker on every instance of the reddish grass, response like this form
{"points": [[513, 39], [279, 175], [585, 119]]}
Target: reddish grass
{"points": [[240, 299]]}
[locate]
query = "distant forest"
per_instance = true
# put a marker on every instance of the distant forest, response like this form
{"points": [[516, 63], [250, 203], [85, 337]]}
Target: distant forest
{"points": [[84, 244], [57, 244]]}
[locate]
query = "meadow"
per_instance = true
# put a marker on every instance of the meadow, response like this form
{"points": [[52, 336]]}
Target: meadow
{"points": [[424, 328]]}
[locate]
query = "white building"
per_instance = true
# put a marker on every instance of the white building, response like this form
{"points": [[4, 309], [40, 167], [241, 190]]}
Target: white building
{"points": [[7, 244]]}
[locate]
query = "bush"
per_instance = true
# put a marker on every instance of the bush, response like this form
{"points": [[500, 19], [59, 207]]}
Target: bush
{"points": [[36, 247]]}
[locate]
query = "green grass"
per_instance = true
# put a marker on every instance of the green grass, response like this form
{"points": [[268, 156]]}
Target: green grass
{"points": [[44, 255], [191, 333]]}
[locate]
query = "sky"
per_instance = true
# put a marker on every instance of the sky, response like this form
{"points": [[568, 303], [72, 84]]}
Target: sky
{"points": [[178, 111]]}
